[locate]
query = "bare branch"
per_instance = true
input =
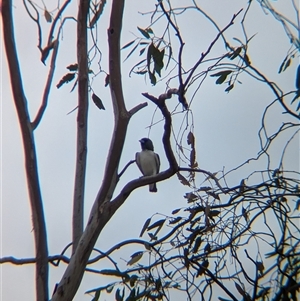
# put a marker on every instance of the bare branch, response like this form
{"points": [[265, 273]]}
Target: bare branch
{"points": [[43, 107], [38, 219]]}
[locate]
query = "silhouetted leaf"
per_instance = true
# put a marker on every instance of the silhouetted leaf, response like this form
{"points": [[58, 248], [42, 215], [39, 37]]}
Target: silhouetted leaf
{"points": [[128, 44], [192, 158], [110, 288], [214, 212], [260, 266], [66, 79], [218, 74], [298, 78], [230, 87], [98, 13], [142, 50], [73, 67], [197, 244], [96, 296], [175, 211], [207, 248], [131, 52], [235, 53], [152, 78], [239, 288], [133, 279], [118, 296], [149, 30], [146, 224], [182, 179], [144, 33], [175, 220], [157, 224], [107, 80], [169, 56], [246, 59], [223, 299], [191, 139], [98, 102], [222, 75], [45, 52], [135, 258], [221, 79], [48, 17]]}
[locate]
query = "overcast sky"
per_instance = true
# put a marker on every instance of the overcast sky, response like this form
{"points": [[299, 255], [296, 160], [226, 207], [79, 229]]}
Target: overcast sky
{"points": [[226, 127]]}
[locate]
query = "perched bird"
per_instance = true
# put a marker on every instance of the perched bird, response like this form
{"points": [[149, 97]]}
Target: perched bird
{"points": [[148, 161]]}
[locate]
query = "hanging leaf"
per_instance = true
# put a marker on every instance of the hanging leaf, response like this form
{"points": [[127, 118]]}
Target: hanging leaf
{"points": [[191, 197], [176, 211], [158, 57], [203, 267], [230, 87], [131, 52], [98, 102], [149, 30], [197, 244], [235, 53], [106, 80], [47, 15], [169, 56], [110, 288], [156, 224], [182, 179], [118, 296], [150, 52], [246, 59], [223, 299], [245, 214], [192, 158], [142, 51], [96, 296], [221, 79], [222, 76], [66, 79], [260, 266], [207, 248], [146, 224], [218, 74], [144, 32], [133, 279], [298, 79], [191, 139], [175, 220], [152, 78], [214, 213], [239, 288], [135, 258], [73, 67], [128, 44], [98, 13], [45, 52]]}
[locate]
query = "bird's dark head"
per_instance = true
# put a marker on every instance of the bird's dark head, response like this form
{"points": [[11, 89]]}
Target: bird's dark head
{"points": [[146, 143]]}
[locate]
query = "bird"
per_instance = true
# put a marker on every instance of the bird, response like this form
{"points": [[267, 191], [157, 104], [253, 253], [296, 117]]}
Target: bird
{"points": [[148, 161]]}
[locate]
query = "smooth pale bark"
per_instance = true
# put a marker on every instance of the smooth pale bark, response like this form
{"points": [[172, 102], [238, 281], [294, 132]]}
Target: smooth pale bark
{"points": [[26, 127], [81, 152]]}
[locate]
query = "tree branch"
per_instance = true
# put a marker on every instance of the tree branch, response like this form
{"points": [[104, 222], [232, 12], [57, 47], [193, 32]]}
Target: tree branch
{"points": [[38, 220], [82, 116], [43, 107]]}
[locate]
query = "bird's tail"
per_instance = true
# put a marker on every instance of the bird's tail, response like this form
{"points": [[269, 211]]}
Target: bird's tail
{"points": [[152, 187]]}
